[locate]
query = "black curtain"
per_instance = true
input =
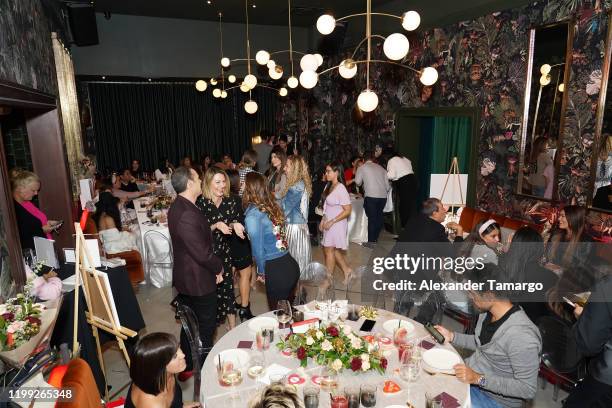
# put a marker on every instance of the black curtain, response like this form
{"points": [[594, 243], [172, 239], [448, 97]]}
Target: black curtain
{"points": [[150, 121]]}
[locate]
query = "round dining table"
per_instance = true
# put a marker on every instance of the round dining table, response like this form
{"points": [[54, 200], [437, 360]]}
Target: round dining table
{"points": [[215, 395]]}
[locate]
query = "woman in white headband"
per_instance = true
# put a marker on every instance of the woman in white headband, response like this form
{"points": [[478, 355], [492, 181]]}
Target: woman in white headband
{"points": [[483, 242]]}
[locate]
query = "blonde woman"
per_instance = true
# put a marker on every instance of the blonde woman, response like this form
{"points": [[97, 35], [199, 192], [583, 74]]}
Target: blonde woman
{"points": [[224, 214], [294, 202]]}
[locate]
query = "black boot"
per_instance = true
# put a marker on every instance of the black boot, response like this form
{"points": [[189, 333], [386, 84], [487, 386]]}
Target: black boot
{"points": [[244, 312]]}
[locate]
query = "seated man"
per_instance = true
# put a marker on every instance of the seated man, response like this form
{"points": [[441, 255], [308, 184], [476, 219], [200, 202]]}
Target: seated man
{"points": [[503, 369], [127, 181]]}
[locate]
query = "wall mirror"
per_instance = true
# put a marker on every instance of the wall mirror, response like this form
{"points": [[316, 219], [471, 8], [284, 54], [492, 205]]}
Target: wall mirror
{"points": [[601, 169], [544, 106]]}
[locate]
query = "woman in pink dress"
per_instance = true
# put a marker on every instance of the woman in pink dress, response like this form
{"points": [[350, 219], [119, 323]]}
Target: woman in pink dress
{"points": [[336, 209]]}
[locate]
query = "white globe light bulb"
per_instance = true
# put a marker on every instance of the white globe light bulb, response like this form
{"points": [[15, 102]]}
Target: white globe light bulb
{"points": [[217, 93], [250, 81], [223, 94], [213, 81], [293, 82], [545, 80], [347, 68], [244, 87], [201, 85], [396, 46], [309, 63], [250, 106], [561, 87], [545, 69], [411, 20], [231, 78], [309, 79], [282, 92], [225, 62], [271, 64], [262, 57], [367, 101], [276, 72], [326, 24], [429, 76], [319, 58]]}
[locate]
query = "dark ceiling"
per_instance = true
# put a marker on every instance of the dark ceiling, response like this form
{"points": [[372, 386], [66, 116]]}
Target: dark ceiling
{"points": [[304, 12]]}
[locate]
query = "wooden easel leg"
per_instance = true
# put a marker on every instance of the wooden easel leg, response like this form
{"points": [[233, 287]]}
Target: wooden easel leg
{"points": [[124, 350], [101, 359]]}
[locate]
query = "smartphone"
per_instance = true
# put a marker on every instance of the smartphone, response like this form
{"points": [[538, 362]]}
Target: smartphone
{"points": [[58, 225], [368, 325], [434, 333], [572, 304]]}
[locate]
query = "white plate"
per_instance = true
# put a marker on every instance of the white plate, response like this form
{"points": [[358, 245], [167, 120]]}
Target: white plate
{"points": [[260, 322], [237, 356], [441, 359], [391, 325]]}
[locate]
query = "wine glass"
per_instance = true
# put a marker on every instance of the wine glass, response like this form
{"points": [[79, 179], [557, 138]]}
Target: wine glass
{"points": [[283, 314], [257, 365]]}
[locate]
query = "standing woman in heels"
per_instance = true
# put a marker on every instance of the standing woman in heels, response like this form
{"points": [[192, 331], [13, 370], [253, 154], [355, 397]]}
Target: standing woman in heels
{"points": [[223, 214], [336, 210], [294, 202], [265, 224]]}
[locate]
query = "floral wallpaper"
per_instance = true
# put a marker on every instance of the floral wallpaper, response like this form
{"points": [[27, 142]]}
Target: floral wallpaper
{"points": [[26, 53], [481, 63]]}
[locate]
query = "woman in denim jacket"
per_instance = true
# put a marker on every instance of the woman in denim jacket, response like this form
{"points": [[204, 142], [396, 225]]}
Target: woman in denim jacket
{"points": [[265, 225], [294, 203]]}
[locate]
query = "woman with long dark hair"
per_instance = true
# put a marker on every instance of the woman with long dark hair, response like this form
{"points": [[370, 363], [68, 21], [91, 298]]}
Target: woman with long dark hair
{"points": [[336, 210], [523, 263], [483, 242], [108, 222], [569, 244], [164, 170], [265, 224], [156, 360], [277, 179]]}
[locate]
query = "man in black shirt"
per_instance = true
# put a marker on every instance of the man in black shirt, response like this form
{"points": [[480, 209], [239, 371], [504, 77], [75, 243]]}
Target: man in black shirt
{"points": [[127, 181]]}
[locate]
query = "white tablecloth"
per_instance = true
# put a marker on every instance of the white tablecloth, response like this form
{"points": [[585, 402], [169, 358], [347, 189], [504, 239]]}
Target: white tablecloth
{"points": [[214, 395], [357, 222], [158, 275]]}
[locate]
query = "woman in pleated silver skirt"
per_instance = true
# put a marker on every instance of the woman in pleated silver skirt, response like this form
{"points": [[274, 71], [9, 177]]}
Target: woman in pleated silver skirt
{"points": [[294, 202]]}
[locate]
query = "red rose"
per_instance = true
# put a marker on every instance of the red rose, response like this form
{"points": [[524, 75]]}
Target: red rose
{"points": [[383, 363], [332, 331], [356, 364], [33, 320], [301, 353], [8, 316]]}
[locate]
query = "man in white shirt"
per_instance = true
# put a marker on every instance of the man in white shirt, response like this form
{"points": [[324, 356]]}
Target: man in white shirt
{"points": [[373, 178], [399, 170]]}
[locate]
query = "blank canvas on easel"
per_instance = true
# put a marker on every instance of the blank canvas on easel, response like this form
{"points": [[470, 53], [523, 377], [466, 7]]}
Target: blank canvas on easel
{"points": [[98, 311], [453, 194]]}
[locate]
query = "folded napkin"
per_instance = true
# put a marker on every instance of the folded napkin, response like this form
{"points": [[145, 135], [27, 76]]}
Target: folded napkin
{"points": [[272, 370], [447, 400]]}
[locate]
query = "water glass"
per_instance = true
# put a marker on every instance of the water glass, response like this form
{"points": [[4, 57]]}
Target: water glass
{"points": [[311, 397], [329, 379], [353, 312], [352, 395], [367, 395], [257, 365], [410, 371], [264, 338]]}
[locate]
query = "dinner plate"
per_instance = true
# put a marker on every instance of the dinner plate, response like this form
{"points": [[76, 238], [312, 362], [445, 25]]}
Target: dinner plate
{"points": [[258, 323], [391, 325], [237, 356], [441, 359]]}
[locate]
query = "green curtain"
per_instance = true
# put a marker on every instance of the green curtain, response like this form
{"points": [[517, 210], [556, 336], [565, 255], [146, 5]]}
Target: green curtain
{"points": [[450, 138]]}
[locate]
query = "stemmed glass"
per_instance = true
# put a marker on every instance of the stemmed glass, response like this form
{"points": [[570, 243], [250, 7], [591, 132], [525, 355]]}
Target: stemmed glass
{"points": [[284, 313], [257, 365]]}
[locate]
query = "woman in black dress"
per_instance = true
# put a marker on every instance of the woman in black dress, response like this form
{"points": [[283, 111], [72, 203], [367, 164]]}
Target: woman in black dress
{"points": [[240, 250], [223, 213]]}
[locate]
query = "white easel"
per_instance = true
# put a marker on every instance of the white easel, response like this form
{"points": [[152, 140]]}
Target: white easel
{"points": [[453, 172]]}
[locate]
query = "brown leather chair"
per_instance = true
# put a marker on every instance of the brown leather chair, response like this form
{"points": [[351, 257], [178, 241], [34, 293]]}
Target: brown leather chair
{"points": [[80, 380], [133, 260]]}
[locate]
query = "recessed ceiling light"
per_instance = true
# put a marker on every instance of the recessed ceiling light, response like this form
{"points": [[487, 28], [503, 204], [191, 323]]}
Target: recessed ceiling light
{"points": [[149, 79], [103, 77], [209, 2], [254, 5]]}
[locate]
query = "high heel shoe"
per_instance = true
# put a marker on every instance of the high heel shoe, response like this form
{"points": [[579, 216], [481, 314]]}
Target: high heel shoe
{"points": [[347, 278], [244, 312]]}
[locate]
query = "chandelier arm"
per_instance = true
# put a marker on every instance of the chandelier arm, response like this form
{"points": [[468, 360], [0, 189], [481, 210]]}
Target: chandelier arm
{"points": [[246, 10], [376, 61], [221, 41], [369, 38], [365, 39], [364, 14], [291, 51], [290, 42]]}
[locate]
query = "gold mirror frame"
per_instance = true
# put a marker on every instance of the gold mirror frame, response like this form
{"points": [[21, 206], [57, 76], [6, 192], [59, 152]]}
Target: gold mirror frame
{"points": [[601, 105], [526, 103]]}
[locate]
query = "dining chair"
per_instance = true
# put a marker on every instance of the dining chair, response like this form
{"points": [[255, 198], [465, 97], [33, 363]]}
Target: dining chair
{"points": [[311, 278], [80, 380], [561, 364], [189, 323], [158, 249]]}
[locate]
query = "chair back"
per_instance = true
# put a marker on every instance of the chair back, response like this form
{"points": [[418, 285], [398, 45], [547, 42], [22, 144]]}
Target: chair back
{"points": [[189, 323], [158, 247], [80, 380], [559, 349]]}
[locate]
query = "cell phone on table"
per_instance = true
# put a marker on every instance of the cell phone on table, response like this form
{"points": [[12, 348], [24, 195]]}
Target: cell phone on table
{"points": [[368, 325], [438, 337]]}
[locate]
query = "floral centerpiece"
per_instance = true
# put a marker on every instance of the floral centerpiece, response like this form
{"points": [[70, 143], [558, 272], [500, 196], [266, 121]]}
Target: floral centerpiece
{"points": [[335, 347], [162, 202], [19, 321]]}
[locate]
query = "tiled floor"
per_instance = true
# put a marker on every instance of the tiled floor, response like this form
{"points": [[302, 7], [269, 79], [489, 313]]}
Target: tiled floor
{"points": [[158, 315]]}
